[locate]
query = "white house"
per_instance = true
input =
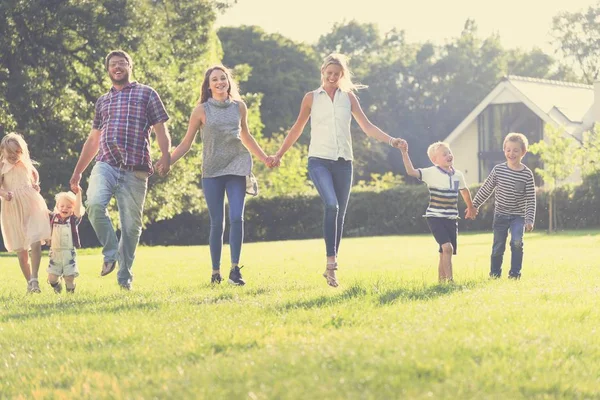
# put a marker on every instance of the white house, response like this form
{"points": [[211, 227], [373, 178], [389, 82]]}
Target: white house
{"points": [[525, 105]]}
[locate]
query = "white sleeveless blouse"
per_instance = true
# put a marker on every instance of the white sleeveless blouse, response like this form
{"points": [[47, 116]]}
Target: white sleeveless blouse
{"points": [[330, 126]]}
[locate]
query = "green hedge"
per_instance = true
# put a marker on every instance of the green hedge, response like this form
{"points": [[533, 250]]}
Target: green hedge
{"points": [[392, 212]]}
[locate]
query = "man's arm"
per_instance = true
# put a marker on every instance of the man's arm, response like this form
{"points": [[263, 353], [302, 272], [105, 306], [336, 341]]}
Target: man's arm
{"points": [[89, 151], [164, 143]]}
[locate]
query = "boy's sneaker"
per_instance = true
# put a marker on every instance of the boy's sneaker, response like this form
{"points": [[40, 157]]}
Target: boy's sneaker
{"points": [[235, 276], [216, 278], [33, 286], [56, 286], [512, 275], [71, 290]]}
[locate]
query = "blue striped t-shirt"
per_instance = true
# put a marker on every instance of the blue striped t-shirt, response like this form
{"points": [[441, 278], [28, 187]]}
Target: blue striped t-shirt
{"points": [[443, 191]]}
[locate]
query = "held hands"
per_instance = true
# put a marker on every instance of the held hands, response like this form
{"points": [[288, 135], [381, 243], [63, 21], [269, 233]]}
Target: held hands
{"points": [[272, 161], [528, 227], [74, 182], [76, 189], [163, 166], [398, 143], [471, 212]]}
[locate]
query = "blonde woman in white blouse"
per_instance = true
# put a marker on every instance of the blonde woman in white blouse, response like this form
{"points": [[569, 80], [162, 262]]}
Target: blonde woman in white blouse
{"points": [[330, 156]]}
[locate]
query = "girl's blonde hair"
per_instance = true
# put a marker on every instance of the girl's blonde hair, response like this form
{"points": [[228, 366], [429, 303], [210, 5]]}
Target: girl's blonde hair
{"points": [[233, 91], [345, 83], [14, 143], [70, 197]]}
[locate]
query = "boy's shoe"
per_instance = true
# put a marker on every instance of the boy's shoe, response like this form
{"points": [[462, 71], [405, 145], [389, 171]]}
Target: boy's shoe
{"points": [[56, 286], [514, 276], [125, 286], [494, 275], [108, 267], [235, 276], [33, 286], [71, 290], [216, 278]]}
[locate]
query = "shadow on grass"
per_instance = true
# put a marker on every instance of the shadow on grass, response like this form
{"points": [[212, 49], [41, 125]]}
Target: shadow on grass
{"points": [[79, 307], [354, 291], [422, 293]]}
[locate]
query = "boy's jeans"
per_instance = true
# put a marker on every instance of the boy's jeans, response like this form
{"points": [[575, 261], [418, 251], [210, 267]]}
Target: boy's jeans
{"points": [[129, 188], [333, 180], [502, 224]]}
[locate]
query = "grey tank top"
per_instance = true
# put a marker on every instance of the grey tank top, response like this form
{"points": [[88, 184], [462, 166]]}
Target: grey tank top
{"points": [[223, 152]]}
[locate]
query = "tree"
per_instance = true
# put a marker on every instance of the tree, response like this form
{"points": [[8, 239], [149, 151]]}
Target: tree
{"points": [[52, 72], [577, 38], [281, 69], [556, 151]]}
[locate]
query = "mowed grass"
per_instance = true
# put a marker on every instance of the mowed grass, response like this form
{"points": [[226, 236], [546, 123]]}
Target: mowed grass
{"points": [[388, 332]]}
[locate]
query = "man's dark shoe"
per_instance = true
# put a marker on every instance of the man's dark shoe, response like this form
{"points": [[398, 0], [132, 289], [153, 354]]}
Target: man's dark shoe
{"points": [[514, 276], [125, 286], [216, 278], [108, 267], [235, 276], [494, 275]]}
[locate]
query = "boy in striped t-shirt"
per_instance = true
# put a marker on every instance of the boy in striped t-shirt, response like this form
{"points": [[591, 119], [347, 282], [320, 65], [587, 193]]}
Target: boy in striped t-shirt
{"points": [[444, 183], [514, 208]]}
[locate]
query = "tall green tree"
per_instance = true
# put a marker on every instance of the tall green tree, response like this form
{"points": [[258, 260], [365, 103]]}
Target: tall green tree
{"points": [[577, 38], [281, 69], [52, 72]]}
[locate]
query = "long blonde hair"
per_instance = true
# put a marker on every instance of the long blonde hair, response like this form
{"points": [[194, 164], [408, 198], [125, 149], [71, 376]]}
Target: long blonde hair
{"points": [[345, 83], [233, 91], [14, 143]]}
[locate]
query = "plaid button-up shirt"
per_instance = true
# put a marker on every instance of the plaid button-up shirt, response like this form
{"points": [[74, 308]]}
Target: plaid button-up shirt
{"points": [[125, 117]]}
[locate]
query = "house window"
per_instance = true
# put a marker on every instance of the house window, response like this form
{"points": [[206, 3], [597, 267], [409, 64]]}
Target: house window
{"points": [[498, 120]]}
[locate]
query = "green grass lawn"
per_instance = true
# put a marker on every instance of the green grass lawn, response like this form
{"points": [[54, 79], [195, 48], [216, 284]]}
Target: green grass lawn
{"points": [[388, 332]]}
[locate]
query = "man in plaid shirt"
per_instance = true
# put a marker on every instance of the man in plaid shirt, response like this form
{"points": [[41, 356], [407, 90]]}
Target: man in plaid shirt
{"points": [[120, 140]]}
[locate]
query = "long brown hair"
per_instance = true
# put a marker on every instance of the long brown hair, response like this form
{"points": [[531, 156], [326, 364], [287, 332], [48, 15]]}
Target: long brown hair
{"points": [[232, 91]]}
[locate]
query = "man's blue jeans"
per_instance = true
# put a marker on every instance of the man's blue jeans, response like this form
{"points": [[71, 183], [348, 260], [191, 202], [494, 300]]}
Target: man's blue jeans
{"points": [[214, 192], [129, 188], [333, 180], [501, 226]]}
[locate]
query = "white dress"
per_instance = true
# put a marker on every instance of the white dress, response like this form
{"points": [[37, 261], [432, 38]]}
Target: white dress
{"points": [[25, 218]]}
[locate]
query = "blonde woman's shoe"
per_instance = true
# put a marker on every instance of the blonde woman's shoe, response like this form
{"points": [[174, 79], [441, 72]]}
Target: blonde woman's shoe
{"points": [[329, 274]]}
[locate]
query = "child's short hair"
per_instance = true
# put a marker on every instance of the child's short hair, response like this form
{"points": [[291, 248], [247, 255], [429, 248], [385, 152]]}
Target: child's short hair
{"points": [[433, 148], [517, 138], [70, 197]]}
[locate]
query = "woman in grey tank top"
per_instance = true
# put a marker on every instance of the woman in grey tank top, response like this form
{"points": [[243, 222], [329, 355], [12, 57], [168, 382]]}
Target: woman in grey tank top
{"points": [[331, 108], [226, 162]]}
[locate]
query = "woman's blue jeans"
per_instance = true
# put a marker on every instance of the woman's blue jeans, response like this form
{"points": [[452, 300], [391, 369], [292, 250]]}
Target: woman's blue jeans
{"points": [[333, 180], [214, 192]]}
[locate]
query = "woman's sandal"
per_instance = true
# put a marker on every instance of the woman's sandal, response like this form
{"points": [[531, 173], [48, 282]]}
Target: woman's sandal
{"points": [[329, 274]]}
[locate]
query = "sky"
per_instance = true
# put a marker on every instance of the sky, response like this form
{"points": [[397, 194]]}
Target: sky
{"points": [[520, 23]]}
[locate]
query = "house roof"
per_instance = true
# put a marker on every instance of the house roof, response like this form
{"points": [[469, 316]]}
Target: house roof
{"points": [[565, 104]]}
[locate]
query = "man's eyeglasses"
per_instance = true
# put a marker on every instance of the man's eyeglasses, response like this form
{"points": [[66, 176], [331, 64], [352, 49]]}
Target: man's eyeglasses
{"points": [[121, 63]]}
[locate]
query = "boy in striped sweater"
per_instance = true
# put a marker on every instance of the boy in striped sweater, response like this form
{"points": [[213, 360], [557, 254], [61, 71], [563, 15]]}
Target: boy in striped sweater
{"points": [[514, 208], [444, 183]]}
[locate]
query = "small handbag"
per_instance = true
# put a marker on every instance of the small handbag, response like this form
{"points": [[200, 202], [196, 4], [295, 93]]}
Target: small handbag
{"points": [[251, 185]]}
